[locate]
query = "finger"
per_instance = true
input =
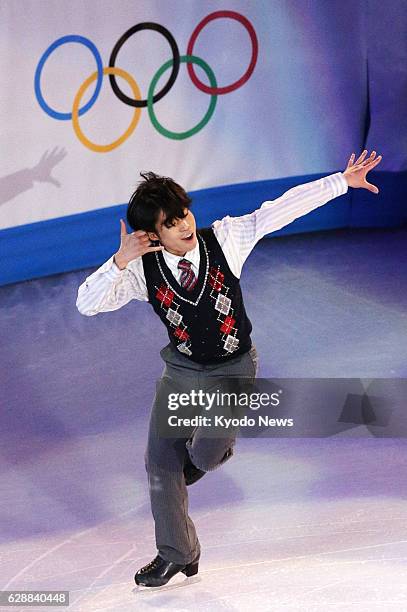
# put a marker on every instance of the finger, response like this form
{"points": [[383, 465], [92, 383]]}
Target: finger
{"points": [[123, 229], [370, 158], [158, 248], [362, 156], [372, 162], [351, 159], [371, 187], [139, 233]]}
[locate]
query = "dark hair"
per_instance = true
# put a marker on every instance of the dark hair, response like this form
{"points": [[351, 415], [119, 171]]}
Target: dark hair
{"points": [[153, 194]]}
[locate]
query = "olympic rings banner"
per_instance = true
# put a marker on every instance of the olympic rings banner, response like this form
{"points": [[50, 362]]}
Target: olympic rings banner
{"points": [[135, 101], [236, 101]]}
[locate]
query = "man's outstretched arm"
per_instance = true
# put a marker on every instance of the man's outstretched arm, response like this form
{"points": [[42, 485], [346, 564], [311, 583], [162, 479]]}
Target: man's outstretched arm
{"points": [[238, 235]]}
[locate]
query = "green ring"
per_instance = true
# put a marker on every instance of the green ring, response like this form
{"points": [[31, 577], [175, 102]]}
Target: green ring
{"points": [[184, 59]]}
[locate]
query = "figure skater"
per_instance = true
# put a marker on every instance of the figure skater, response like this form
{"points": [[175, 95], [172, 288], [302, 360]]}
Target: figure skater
{"points": [[191, 277]]}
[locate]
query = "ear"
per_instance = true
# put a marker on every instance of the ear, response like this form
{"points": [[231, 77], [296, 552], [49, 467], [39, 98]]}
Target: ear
{"points": [[153, 237]]}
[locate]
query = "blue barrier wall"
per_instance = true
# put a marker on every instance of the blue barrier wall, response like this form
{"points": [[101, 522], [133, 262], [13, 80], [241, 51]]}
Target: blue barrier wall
{"points": [[88, 239]]}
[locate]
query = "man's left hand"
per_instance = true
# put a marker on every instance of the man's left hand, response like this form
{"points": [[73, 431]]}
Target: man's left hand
{"points": [[356, 171]]}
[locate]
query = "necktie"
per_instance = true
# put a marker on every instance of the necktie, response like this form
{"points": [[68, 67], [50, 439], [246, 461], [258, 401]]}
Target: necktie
{"points": [[188, 279]]}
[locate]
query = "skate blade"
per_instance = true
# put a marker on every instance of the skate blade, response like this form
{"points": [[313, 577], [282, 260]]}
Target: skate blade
{"points": [[140, 589]]}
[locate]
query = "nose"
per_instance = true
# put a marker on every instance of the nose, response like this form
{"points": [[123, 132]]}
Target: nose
{"points": [[184, 224]]}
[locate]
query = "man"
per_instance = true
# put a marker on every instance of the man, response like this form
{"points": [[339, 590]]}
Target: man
{"points": [[191, 279]]}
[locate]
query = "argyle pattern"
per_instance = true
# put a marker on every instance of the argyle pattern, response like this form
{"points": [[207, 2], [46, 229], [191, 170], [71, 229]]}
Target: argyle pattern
{"points": [[221, 302], [223, 305], [168, 303], [209, 324]]}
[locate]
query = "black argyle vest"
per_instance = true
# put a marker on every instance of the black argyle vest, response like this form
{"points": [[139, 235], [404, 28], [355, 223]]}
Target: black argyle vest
{"points": [[208, 324]]}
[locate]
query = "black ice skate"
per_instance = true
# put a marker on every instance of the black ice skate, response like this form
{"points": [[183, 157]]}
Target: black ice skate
{"points": [[159, 571], [191, 472]]}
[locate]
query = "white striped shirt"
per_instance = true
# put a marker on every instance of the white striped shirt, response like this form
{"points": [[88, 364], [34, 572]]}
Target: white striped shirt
{"points": [[110, 288]]}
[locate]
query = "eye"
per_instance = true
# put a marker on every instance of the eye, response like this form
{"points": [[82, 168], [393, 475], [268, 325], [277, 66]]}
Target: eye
{"points": [[170, 224]]}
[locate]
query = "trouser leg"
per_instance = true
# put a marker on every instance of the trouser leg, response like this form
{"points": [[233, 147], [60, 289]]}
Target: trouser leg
{"points": [[175, 533], [176, 536]]}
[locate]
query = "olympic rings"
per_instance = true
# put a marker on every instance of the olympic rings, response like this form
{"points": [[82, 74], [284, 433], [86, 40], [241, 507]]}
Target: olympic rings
{"points": [[75, 120], [175, 64], [37, 87], [187, 59], [137, 102], [255, 50]]}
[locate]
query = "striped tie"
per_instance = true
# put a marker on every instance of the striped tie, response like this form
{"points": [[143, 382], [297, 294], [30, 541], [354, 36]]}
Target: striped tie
{"points": [[188, 279]]}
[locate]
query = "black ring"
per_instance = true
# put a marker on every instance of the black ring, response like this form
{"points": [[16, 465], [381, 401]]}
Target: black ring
{"points": [[175, 68]]}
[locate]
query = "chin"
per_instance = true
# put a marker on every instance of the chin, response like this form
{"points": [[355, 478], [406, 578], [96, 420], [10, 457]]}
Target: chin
{"points": [[188, 246], [193, 245]]}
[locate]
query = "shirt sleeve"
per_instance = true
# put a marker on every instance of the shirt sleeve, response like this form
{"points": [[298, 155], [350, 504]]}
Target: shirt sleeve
{"points": [[237, 236], [110, 288]]}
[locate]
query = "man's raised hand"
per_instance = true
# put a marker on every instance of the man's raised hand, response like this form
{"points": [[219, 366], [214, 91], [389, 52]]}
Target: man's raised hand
{"points": [[132, 246], [356, 171]]}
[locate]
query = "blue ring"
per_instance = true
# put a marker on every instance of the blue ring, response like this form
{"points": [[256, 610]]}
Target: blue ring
{"points": [[61, 41]]}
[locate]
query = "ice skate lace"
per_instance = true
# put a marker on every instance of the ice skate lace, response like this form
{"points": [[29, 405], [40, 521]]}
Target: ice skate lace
{"points": [[153, 564]]}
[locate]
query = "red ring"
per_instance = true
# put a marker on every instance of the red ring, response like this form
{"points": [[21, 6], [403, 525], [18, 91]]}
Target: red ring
{"points": [[255, 49]]}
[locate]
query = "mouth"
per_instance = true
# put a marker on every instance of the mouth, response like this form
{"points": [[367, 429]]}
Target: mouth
{"points": [[188, 237]]}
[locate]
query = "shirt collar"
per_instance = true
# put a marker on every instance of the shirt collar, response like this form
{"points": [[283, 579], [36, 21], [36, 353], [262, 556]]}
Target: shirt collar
{"points": [[193, 256]]}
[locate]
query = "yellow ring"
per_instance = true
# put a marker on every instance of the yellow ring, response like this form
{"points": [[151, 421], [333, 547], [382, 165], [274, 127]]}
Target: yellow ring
{"points": [[75, 110]]}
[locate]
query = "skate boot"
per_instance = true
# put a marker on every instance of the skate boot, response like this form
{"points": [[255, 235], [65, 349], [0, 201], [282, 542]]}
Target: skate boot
{"points": [[159, 571]]}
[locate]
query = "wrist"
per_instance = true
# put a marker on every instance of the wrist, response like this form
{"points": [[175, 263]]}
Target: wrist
{"points": [[347, 178], [120, 263]]}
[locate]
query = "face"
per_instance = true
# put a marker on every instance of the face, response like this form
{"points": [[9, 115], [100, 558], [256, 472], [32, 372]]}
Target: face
{"points": [[178, 238]]}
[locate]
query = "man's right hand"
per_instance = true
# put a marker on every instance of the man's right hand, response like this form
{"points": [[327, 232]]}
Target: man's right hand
{"points": [[132, 246]]}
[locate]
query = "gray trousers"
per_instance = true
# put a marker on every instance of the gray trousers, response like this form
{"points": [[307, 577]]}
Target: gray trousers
{"points": [[175, 533]]}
